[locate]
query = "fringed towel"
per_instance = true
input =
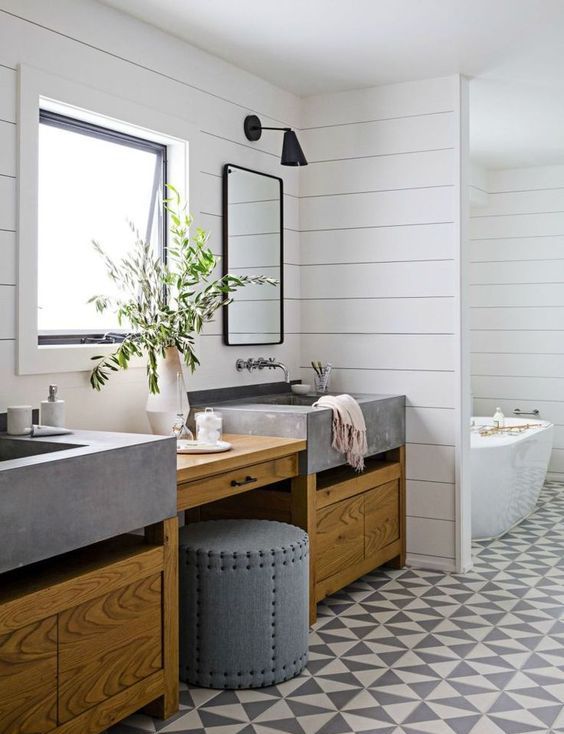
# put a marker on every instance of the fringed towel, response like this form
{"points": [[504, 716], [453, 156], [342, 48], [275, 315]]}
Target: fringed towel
{"points": [[349, 428]]}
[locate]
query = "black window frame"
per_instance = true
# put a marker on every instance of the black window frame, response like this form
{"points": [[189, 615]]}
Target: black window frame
{"points": [[93, 130]]}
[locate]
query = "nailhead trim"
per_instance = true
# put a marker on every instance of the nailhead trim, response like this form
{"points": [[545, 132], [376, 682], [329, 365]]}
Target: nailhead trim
{"points": [[219, 561]]}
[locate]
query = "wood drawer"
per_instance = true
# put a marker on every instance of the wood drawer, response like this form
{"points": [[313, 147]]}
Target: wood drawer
{"points": [[109, 644], [28, 679], [192, 494], [381, 517], [340, 536]]}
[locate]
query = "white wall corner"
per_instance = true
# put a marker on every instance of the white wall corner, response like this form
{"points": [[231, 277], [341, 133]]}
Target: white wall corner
{"points": [[463, 530]]}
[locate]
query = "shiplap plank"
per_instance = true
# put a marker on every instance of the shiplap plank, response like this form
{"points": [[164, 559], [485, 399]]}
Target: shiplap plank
{"points": [[381, 351], [382, 244], [7, 258], [433, 500], [518, 294], [384, 316], [7, 203], [386, 101], [531, 318], [423, 389], [426, 462], [509, 203], [8, 84], [529, 271], [381, 137], [519, 365], [7, 312], [517, 248], [409, 170], [378, 209], [380, 280], [516, 342], [430, 425], [511, 388], [526, 179], [524, 225], [7, 148], [430, 537]]}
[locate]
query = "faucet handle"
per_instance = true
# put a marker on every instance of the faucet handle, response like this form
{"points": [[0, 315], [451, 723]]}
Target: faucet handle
{"points": [[243, 364]]}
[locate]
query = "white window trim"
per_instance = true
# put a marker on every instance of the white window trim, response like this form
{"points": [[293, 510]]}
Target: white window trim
{"points": [[38, 88]]}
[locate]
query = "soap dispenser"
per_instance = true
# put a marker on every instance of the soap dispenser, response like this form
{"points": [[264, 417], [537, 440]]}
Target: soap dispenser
{"points": [[498, 419], [52, 409]]}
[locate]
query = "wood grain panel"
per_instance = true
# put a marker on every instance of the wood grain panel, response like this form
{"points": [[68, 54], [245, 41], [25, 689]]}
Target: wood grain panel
{"points": [[339, 540], [304, 516], [381, 517], [109, 644], [75, 579], [28, 679], [224, 485], [116, 708], [166, 534], [247, 450], [338, 484]]}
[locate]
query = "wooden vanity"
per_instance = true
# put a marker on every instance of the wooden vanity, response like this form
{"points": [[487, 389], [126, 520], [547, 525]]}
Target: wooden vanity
{"points": [[89, 637], [355, 522]]}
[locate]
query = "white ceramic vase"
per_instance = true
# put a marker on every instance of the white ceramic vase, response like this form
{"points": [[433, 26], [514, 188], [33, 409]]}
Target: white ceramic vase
{"points": [[162, 409]]}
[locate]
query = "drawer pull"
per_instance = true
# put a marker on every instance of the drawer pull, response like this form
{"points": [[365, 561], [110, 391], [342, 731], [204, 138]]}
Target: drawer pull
{"points": [[241, 482]]}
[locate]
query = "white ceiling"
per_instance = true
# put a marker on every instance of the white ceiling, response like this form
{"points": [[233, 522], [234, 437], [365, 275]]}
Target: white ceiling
{"points": [[513, 50]]}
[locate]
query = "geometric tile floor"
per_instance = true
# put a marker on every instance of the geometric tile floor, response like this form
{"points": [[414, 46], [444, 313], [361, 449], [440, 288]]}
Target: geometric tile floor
{"points": [[420, 652]]}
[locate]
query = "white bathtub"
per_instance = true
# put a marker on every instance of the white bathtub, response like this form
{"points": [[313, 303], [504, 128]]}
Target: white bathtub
{"points": [[508, 472]]}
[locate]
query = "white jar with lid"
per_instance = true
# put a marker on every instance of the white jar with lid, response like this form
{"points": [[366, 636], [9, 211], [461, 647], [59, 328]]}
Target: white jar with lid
{"points": [[209, 425]]}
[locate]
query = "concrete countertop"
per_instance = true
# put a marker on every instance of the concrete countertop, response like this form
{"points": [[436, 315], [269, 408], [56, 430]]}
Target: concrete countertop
{"points": [[105, 485]]}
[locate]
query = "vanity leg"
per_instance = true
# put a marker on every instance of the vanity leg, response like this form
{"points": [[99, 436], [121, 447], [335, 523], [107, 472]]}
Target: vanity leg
{"points": [[304, 516], [399, 561], [165, 533]]}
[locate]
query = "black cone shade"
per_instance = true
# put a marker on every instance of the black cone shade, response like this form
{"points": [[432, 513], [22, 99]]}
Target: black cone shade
{"points": [[292, 153]]}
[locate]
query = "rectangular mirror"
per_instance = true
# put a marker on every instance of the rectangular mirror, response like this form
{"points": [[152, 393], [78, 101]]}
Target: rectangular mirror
{"points": [[253, 222]]}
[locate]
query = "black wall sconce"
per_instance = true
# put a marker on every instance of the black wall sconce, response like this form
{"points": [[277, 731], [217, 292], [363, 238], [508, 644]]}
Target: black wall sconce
{"points": [[292, 153]]}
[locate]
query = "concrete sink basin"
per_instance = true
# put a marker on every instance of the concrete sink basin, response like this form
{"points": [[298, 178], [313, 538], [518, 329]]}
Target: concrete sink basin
{"points": [[17, 449], [283, 413], [67, 492]]}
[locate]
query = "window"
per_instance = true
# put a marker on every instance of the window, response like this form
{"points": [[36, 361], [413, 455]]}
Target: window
{"points": [[93, 182]]}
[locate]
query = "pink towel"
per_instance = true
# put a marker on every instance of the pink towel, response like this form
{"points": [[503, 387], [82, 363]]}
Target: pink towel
{"points": [[349, 428]]}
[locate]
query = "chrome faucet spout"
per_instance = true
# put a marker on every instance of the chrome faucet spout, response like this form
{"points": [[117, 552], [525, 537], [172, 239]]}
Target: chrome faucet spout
{"points": [[283, 367]]}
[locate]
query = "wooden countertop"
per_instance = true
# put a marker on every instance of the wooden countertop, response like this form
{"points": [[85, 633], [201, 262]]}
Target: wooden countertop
{"points": [[246, 450]]}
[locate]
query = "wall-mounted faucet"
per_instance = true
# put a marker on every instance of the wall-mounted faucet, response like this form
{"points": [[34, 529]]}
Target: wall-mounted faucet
{"points": [[260, 363]]}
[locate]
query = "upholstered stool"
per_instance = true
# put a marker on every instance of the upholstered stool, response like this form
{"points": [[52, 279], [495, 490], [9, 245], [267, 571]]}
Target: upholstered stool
{"points": [[243, 603]]}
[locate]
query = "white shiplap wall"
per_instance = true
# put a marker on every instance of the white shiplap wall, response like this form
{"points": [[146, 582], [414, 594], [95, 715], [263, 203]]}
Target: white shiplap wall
{"points": [[112, 52], [517, 297], [380, 242], [372, 231]]}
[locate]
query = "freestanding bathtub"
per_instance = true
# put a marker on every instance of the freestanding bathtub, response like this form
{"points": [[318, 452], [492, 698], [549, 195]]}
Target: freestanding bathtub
{"points": [[507, 472]]}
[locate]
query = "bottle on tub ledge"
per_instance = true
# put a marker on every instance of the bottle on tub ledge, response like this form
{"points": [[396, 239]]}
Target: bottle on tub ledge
{"points": [[498, 419], [52, 411]]}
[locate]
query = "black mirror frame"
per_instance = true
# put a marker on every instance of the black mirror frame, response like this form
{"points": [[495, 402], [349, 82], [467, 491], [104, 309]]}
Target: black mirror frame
{"points": [[225, 257]]}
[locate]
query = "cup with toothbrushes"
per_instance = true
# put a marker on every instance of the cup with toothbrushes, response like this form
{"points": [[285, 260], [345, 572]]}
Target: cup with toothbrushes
{"points": [[321, 376]]}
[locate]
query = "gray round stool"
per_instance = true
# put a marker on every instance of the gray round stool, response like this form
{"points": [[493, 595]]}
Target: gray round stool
{"points": [[243, 603]]}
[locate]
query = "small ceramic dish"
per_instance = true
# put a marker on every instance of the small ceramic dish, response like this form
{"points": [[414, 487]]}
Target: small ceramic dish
{"points": [[195, 447], [301, 389]]}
